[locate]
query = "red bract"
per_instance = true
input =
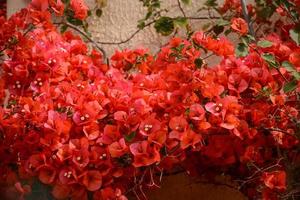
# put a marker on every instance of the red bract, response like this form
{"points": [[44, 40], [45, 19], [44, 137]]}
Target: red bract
{"points": [[275, 180], [239, 25], [144, 154], [92, 180], [80, 9]]}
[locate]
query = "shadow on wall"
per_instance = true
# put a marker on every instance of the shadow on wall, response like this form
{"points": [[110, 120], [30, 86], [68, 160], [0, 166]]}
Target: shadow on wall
{"points": [[181, 187]]}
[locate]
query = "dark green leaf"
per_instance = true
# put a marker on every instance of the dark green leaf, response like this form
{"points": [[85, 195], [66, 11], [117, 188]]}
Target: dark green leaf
{"points": [[164, 25], [63, 28], [247, 39], [148, 15], [265, 12], [181, 21], [241, 50], [89, 12], [178, 48], [75, 21], [211, 3], [198, 62], [288, 66], [296, 75], [290, 86], [156, 4], [66, 1], [218, 29], [186, 2], [295, 35], [222, 22], [130, 136], [270, 59], [227, 32], [264, 43], [141, 24], [99, 12], [187, 111]]}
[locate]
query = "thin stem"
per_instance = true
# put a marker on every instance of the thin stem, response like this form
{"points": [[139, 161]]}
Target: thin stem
{"points": [[202, 18], [247, 18], [181, 9], [129, 38], [279, 130], [86, 36]]}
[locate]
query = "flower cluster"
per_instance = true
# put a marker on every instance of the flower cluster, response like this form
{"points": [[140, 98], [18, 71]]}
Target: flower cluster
{"points": [[86, 128]]}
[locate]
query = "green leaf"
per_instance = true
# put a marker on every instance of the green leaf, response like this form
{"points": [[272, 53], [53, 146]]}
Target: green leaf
{"points": [[198, 62], [187, 2], [75, 21], [264, 43], [181, 21], [296, 75], [148, 15], [295, 35], [130, 136], [66, 1], [164, 26], [63, 28], [187, 111], [247, 39], [270, 59], [227, 32], [241, 50], [89, 13], [222, 22], [141, 24], [290, 86], [288, 66], [218, 29], [211, 3], [99, 12]]}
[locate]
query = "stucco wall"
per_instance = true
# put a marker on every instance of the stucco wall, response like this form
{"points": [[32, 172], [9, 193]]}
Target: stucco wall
{"points": [[119, 21]]}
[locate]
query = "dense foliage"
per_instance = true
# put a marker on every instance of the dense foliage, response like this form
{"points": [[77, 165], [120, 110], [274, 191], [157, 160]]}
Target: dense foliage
{"points": [[81, 128]]}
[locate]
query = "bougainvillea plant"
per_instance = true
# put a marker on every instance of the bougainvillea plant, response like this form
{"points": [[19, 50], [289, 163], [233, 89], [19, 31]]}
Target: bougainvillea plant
{"points": [[73, 126]]}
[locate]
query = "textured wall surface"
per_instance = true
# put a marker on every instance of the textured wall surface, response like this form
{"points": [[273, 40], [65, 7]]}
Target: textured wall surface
{"points": [[118, 27], [118, 22]]}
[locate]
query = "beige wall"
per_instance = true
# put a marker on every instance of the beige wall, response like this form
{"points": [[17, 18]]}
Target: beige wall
{"points": [[119, 21]]}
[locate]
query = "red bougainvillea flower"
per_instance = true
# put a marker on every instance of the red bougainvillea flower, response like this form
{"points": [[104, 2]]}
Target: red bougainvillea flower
{"points": [[117, 149], [149, 125], [220, 46], [68, 176], [57, 6], [41, 5], [61, 191], [190, 138], [275, 180], [178, 125], [22, 189], [110, 193], [47, 174], [80, 9], [239, 25], [294, 58], [144, 154], [91, 179]]}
